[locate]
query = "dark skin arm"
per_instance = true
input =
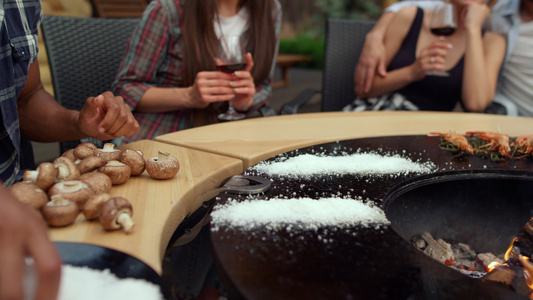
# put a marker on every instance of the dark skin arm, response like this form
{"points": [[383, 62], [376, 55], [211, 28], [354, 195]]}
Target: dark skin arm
{"points": [[42, 119]]}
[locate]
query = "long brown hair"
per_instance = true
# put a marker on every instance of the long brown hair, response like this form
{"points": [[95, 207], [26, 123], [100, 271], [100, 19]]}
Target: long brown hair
{"points": [[200, 42]]}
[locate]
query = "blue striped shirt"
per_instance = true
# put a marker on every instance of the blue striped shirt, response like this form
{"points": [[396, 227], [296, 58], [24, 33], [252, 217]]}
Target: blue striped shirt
{"points": [[19, 23]]}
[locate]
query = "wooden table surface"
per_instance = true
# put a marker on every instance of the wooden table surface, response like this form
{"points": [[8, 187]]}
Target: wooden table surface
{"points": [[158, 205], [210, 154], [254, 140]]}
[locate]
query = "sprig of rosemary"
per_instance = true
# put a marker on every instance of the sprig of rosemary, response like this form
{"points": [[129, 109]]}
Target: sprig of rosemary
{"points": [[481, 148]]}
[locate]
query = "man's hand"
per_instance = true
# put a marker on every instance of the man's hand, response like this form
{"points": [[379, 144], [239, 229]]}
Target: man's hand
{"points": [[106, 117], [371, 60], [23, 234]]}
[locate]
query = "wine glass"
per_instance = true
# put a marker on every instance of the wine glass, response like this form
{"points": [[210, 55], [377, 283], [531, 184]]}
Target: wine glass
{"points": [[230, 58], [443, 23]]}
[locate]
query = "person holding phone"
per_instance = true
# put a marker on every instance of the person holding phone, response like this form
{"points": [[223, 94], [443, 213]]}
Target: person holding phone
{"points": [[169, 74], [471, 55]]}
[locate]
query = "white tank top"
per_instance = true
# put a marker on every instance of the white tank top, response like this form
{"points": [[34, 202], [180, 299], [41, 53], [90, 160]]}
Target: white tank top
{"points": [[234, 25], [517, 77]]}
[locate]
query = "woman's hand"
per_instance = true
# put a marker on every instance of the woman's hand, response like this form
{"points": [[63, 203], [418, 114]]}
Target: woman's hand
{"points": [[209, 87], [431, 58], [474, 15], [244, 87], [217, 86], [371, 61]]}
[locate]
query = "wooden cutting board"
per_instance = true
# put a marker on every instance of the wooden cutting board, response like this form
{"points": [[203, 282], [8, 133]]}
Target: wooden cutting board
{"points": [[158, 205]]}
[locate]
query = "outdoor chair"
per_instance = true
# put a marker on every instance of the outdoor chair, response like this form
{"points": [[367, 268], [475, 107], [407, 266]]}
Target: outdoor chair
{"points": [[84, 55], [344, 42]]}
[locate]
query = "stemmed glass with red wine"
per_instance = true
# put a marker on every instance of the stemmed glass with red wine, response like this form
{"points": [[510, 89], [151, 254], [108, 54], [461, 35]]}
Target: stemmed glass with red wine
{"points": [[230, 58], [443, 23]]}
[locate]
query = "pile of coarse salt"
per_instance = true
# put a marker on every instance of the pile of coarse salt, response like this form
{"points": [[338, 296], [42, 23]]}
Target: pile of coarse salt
{"points": [[305, 213], [359, 163], [80, 283]]}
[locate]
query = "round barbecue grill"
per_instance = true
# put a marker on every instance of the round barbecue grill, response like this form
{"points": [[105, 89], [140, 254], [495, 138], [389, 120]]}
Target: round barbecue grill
{"points": [[468, 198]]}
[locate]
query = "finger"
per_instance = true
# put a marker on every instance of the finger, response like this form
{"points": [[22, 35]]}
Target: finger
{"points": [[245, 90], [112, 107], [47, 265], [382, 70], [210, 75], [129, 128], [368, 81], [12, 262], [203, 83], [120, 121], [243, 75], [219, 90], [249, 62]]}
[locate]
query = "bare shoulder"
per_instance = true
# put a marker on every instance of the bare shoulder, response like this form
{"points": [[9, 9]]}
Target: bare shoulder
{"points": [[403, 19]]}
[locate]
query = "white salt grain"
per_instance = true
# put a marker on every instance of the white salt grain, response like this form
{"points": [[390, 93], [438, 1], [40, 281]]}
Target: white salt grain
{"points": [[80, 283], [360, 163], [307, 213]]}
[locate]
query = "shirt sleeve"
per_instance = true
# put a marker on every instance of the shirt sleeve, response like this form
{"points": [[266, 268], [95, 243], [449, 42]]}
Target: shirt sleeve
{"points": [[146, 52], [424, 4], [264, 90]]}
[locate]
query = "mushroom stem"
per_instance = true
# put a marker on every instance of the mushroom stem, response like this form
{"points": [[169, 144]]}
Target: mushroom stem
{"points": [[163, 156], [58, 200], [31, 175], [125, 221], [108, 146]]}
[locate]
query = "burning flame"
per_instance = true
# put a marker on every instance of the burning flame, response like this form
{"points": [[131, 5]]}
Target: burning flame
{"points": [[509, 251], [524, 261], [492, 265]]}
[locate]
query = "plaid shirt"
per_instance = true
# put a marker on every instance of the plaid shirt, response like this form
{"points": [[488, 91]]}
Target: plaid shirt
{"points": [[154, 58], [19, 22]]}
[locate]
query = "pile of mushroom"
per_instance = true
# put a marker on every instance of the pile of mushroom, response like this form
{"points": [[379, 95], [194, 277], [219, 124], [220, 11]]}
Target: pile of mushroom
{"points": [[81, 179]]}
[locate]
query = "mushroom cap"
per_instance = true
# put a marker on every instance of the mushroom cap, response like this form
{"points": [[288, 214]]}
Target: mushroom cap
{"points": [[99, 182], [44, 177], [110, 211], [60, 212], [117, 171], [74, 190], [163, 166], [108, 152], [92, 206], [134, 159], [88, 144], [29, 193], [90, 163], [67, 169], [69, 154], [82, 152]]}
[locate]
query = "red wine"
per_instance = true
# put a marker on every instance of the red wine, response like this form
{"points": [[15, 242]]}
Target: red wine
{"points": [[231, 68], [443, 31]]}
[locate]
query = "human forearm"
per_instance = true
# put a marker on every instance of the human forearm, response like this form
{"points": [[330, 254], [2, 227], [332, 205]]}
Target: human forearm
{"points": [[164, 99], [394, 81], [42, 119], [477, 91]]}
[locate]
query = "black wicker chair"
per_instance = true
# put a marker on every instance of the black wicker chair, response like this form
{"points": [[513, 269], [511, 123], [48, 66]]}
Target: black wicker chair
{"points": [[84, 55], [344, 42]]}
